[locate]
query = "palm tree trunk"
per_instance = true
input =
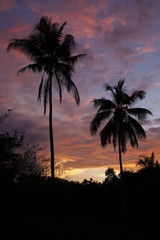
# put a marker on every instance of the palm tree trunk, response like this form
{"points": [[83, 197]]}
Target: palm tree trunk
{"points": [[122, 183], [120, 156], [51, 128], [53, 215]]}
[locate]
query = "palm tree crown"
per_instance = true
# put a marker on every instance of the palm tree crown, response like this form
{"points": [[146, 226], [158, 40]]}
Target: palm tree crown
{"points": [[121, 125], [51, 53]]}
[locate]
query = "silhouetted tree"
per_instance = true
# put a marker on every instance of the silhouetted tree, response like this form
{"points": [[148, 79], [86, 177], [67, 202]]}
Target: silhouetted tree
{"points": [[3, 117], [51, 53], [121, 126], [147, 162], [17, 161], [110, 175], [9, 155], [60, 171]]}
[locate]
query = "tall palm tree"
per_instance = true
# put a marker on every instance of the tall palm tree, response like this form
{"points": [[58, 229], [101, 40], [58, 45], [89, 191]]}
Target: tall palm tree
{"points": [[51, 53], [121, 125]]}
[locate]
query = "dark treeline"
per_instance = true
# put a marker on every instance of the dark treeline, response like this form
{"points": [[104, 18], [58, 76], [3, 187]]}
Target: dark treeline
{"points": [[87, 210], [27, 206], [31, 209]]}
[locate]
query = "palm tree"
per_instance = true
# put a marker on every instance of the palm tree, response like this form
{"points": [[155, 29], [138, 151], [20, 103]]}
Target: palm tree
{"points": [[50, 51], [121, 126], [147, 162]]}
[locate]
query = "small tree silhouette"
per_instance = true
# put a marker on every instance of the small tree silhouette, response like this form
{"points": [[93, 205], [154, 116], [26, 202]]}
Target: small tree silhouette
{"points": [[110, 175], [147, 162]]}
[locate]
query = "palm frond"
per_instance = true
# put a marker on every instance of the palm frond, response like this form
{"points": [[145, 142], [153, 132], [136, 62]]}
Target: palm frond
{"points": [[141, 162], [73, 59], [97, 120], [98, 102], [71, 87], [21, 45], [137, 95], [107, 105], [131, 135], [137, 128], [146, 161], [106, 134], [64, 71], [40, 89], [107, 87], [103, 104], [68, 45], [59, 34], [26, 46], [140, 113], [44, 24], [33, 67], [120, 84]]}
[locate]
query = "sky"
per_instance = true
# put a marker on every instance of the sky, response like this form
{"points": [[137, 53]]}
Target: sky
{"points": [[121, 40]]}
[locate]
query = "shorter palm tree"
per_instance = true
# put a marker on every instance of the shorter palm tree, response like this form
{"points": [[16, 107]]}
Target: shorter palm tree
{"points": [[147, 162], [121, 126]]}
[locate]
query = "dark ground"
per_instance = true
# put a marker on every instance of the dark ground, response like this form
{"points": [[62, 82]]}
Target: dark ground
{"points": [[81, 211]]}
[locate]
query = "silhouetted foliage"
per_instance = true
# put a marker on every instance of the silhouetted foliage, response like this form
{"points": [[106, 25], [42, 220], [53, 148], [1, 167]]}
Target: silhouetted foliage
{"points": [[9, 157], [3, 117], [17, 160], [60, 171], [148, 161], [86, 209], [110, 175]]}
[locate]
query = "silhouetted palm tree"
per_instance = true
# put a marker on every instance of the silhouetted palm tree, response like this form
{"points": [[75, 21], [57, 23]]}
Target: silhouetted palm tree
{"points": [[121, 126], [51, 54], [147, 162]]}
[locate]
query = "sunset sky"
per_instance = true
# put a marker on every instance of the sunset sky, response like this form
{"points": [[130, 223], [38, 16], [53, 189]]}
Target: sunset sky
{"points": [[122, 41]]}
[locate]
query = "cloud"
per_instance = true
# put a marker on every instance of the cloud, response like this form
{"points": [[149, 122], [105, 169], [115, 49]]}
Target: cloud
{"points": [[7, 4], [19, 28], [154, 133], [157, 121], [147, 49], [129, 26]]}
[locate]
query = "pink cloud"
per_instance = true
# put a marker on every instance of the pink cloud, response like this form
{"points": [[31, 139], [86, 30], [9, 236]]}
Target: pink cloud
{"points": [[19, 28], [7, 4], [146, 49]]}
